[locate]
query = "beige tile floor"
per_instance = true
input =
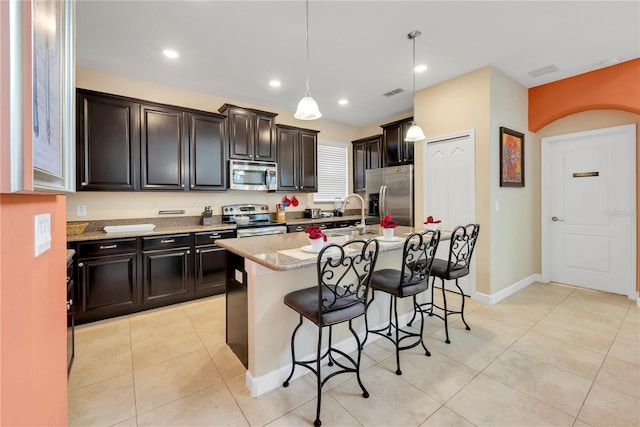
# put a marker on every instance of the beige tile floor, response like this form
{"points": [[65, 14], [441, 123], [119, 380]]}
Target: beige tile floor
{"points": [[548, 355]]}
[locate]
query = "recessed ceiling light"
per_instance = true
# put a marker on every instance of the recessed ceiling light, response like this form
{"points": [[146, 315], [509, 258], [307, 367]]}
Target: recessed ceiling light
{"points": [[275, 83], [343, 101], [170, 53], [420, 68]]}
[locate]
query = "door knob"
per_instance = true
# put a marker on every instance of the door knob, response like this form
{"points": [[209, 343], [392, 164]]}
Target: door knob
{"points": [[555, 218]]}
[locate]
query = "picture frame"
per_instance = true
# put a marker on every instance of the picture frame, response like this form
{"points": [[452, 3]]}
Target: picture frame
{"points": [[41, 99], [511, 158]]}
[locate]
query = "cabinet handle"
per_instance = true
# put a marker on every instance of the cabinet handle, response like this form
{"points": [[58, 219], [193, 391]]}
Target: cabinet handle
{"points": [[182, 185], [197, 251], [84, 184], [167, 240], [188, 252], [214, 236], [257, 156], [108, 247], [192, 186], [81, 264], [69, 304]]}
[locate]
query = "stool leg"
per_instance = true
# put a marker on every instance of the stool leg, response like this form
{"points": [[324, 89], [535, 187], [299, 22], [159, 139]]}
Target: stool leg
{"points": [[390, 313], [416, 307], [394, 302], [433, 286], [366, 319], [462, 308], [365, 393], [317, 422], [293, 353], [329, 348], [446, 325]]}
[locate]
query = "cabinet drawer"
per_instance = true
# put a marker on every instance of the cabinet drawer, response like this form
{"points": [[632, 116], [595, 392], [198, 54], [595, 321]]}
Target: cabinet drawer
{"points": [[107, 247], [163, 242], [210, 237]]}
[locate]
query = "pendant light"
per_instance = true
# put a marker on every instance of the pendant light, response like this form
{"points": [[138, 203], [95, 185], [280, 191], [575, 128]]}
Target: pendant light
{"points": [[307, 107], [415, 132]]}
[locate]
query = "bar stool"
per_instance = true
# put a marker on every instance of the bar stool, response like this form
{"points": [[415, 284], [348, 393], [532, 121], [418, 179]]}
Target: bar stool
{"points": [[344, 275], [412, 279], [461, 246]]}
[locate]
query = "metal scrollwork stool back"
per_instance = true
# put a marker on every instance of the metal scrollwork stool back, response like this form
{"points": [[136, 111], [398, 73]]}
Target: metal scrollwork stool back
{"points": [[461, 246], [344, 275], [411, 279]]}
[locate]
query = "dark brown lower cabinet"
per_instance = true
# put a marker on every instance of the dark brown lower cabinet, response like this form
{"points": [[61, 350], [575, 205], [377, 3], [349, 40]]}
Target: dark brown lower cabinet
{"points": [[107, 279], [165, 269], [210, 262], [122, 276]]}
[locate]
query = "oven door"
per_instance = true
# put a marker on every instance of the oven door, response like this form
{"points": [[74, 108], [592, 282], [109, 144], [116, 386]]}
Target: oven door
{"points": [[261, 231]]}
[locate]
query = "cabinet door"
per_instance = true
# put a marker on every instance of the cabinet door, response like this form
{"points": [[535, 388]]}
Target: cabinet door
{"points": [[107, 143], [265, 138], [374, 153], [308, 161], [407, 148], [241, 134], [107, 287], [210, 270], [288, 168], [162, 148], [207, 152], [165, 276], [392, 145], [359, 166]]}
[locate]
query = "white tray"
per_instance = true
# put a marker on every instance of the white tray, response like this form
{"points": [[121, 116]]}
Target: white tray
{"points": [[128, 228]]}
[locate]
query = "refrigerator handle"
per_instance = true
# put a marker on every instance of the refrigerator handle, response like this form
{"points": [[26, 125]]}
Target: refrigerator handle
{"points": [[383, 201]]}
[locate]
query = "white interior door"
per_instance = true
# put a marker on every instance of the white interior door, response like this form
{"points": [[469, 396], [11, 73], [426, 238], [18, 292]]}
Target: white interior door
{"points": [[590, 221], [450, 186]]}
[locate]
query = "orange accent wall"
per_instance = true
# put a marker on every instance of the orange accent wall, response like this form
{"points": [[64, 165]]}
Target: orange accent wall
{"points": [[616, 87], [33, 353]]}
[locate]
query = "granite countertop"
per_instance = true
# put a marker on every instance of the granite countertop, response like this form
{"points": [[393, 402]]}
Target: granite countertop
{"points": [[283, 252], [102, 235], [173, 228]]}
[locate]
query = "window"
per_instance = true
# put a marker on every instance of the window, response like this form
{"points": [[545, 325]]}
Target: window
{"points": [[332, 172]]}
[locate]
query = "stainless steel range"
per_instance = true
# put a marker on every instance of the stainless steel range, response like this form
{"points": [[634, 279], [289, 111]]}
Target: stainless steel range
{"points": [[259, 220]]}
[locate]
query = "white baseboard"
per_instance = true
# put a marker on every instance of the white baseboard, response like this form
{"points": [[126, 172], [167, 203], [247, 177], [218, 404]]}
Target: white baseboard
{"points": [[274, 379], [509, 290]]}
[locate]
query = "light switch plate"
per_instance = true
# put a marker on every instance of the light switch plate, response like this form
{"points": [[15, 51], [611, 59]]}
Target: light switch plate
{"points": [[42, 233]]}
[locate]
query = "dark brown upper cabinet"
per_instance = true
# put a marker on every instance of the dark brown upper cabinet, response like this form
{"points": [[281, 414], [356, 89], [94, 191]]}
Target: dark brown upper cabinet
{"points": [[297, 159], [366, 155], [126, 144], [207, 152], [252, 133], [163, 151], [108, 140], [395, 150]]}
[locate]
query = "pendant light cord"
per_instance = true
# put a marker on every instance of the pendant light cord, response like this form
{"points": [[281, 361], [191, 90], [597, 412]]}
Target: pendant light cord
{"points": [[413, 73], [307, 39]]}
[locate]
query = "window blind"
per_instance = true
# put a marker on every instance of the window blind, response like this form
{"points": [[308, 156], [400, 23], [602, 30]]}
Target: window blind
{"points": [[332, 172]]}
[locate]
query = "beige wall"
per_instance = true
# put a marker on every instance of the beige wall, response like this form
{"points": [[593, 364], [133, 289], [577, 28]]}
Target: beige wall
{"points": [[515, 228], [454, 106]]}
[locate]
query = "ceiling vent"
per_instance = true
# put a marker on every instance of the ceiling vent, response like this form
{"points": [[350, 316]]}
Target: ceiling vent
{"points": [[393, 92], [544, 70]]}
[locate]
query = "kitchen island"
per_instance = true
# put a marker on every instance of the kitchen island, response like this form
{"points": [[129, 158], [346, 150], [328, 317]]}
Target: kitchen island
{"points": [[260, 272]]}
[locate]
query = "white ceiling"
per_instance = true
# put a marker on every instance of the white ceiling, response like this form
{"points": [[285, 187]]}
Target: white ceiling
{"points": [[358, 49]]}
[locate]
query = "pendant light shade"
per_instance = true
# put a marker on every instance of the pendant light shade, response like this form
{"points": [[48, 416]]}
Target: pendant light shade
{"points": [[307, 107], [414, 133]]}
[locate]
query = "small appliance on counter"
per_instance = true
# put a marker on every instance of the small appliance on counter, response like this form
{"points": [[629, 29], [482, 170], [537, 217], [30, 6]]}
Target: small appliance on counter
{"points": [[313, 213]]}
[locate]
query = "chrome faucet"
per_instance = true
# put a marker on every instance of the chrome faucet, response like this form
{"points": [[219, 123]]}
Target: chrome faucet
{"points": [[362, 225]]}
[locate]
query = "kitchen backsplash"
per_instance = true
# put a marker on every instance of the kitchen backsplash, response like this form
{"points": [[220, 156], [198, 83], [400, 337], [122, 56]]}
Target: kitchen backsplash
{"points": [[128, 205]]}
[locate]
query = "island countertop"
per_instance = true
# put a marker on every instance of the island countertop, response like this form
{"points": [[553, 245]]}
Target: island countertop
{"points": [[283, 252]]}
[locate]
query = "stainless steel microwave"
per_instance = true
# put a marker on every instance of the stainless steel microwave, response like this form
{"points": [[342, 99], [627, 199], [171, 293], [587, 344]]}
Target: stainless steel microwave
{"points": [[257, 176]]}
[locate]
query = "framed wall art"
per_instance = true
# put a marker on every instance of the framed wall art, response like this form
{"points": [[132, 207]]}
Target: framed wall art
{"points": [[41, 98], [511, 158]]}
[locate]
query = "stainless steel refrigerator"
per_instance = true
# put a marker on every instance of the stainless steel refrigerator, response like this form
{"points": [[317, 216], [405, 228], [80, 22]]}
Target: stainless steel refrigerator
{"points": [[390, 192]]}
